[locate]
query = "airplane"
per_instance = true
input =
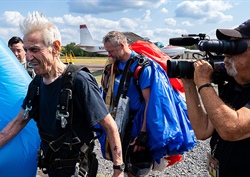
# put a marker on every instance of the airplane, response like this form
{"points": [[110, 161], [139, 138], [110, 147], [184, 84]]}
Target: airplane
{"points": [[87, 43]]}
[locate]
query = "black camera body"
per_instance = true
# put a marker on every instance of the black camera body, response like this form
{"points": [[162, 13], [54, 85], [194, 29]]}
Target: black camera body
{"points": [[184, 68]]}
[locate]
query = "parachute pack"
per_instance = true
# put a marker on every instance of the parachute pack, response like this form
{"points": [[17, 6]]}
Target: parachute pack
{"points": [[153, 52]]}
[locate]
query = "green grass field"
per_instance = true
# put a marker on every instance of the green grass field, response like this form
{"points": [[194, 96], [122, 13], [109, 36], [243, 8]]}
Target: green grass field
{"points": [[85, 60], [88, 60]]}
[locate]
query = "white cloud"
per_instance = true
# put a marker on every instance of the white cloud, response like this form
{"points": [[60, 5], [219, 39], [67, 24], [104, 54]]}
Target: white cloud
{"points": [[107, 6], [163, 35], [170, 22], [164, 10], [72, 20], [12, 18], [146, 16], [57, 20], [208, 11], [127, 23], [186, 23], [160, 3]]}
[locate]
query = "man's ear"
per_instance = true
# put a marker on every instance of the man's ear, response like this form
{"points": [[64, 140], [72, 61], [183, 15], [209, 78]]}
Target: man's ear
{"points": [[56, 47], [121, 45]]}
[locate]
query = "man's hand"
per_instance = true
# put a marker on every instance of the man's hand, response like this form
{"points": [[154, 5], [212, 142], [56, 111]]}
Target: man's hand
{"points": [[202, 72], [118, 173], [140, 141]]}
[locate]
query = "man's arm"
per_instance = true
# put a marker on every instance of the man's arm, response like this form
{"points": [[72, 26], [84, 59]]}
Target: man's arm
{"points": [[232, 125], [146, 96], [201, 124], [13, 128], [111, 130]]}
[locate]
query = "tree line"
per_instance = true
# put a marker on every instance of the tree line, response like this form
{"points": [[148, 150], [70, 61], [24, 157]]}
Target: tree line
{"points": [[77, 51]]}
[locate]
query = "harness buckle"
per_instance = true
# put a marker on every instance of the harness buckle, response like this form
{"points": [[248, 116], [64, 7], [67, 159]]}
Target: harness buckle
{"points": [[57, 163], [62, 118], [75, 141], [53, 147], [26, 112], [76, 174]]}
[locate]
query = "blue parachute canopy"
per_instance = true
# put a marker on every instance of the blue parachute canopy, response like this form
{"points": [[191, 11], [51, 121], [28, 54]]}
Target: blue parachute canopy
{"points": [[17, 157]]}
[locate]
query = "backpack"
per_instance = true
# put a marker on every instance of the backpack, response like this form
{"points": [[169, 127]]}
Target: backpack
{"points": [[87, 160]]}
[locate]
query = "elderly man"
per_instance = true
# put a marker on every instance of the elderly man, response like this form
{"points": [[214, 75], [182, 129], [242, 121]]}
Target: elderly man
{"points": [[225, 117], [63, 141]]}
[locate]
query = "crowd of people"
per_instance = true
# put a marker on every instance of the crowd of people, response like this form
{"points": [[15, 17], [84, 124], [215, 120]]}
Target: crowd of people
{"points": [[224, 117]]}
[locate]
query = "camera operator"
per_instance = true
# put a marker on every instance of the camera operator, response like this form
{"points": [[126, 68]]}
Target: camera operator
{"points": [[225, 117]]}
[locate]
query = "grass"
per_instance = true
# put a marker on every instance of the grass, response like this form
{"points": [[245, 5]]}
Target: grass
{"points": [[88, 60], [85, 60]]}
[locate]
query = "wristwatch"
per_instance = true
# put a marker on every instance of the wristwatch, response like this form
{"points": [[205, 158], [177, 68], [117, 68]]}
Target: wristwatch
{"points": [[119, 167]]}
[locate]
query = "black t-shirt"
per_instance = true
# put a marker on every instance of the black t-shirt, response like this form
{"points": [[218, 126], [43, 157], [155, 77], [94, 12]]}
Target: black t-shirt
{"points": [[88, 109], [233, 156]]}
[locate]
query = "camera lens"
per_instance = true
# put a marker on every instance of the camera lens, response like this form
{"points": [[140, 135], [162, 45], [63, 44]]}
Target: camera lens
{"points": [[180, 69]]}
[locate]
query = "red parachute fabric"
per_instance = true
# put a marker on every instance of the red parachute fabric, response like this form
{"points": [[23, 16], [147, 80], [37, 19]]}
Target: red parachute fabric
{"points": [[152, 51]]}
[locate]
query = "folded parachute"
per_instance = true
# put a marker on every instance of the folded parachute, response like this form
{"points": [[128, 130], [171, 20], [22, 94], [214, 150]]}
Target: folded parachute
{"points": [[168, 125]]}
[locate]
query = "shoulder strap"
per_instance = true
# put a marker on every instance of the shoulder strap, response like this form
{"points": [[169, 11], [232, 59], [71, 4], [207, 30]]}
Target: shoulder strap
{"points": [[65, 105], [32, 106], [124, 82], [142, 63]]}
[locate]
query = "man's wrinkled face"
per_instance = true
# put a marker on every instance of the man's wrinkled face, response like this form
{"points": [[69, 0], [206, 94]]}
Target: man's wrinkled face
{"points": [[237, 63], [18, 51], [37, 53], [230, 66]]}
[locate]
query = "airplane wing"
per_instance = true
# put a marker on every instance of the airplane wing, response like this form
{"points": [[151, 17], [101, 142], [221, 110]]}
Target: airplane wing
{"points": [[132, 37]]}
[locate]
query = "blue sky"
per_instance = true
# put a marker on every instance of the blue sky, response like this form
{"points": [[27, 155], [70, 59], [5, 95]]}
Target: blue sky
{"points": [[158, 20]]}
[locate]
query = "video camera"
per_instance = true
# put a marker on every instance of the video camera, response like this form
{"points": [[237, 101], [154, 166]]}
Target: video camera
{"points": [[213, 50]]}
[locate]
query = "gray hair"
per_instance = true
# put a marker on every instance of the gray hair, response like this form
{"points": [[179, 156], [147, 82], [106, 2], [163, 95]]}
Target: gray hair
{"points": [[115, 38], [37, 22]]}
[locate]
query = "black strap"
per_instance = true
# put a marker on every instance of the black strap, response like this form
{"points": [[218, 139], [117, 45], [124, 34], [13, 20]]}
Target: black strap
{"points": [[33, 91], [125, 80], [33, 99]]}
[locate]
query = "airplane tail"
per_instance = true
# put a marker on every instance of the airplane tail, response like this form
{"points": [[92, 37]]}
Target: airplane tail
{"points": [[85, 36]]}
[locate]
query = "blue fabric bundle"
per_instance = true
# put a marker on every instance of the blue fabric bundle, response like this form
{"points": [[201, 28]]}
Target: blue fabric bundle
{"points": [[17, 157], [168, 125]]}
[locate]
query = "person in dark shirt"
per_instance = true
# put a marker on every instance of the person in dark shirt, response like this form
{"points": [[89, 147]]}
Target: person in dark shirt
{"points": [[226, 116], [42, 42]]}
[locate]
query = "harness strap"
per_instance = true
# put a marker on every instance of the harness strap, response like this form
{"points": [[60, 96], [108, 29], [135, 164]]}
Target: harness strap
{"points": [[55, 145], [124, 82], [62, 108], [64, 163], [33, 92], [142, 63], [59, 163]]}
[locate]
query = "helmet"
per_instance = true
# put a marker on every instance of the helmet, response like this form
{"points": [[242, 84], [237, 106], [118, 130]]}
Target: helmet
{"points": [[138, 163]]}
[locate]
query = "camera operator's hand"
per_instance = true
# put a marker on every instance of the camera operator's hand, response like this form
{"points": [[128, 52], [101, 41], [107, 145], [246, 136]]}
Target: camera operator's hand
{"points": [[202, 72]]}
